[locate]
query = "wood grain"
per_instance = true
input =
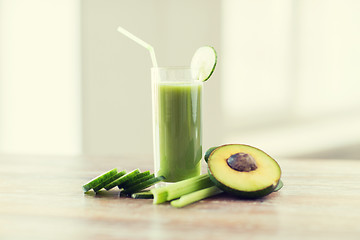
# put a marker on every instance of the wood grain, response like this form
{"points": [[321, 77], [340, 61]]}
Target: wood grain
{"points": [[41, 198]]}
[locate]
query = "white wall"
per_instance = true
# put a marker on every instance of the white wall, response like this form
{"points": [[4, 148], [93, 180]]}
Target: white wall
{"points": [[287, 79], [256, 61], [39, 77], [328, 57], [290, 74]]}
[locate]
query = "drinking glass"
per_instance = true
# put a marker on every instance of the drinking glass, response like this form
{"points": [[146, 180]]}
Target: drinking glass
{"points": [[177, 123]]}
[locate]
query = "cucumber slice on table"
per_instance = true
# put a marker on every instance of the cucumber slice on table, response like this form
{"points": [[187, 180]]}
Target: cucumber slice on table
{"points": [[99, 179], [122, 179], [109, 180], [143, 195], [130, 181], [143, 185], [203, 63], [139, 180]]}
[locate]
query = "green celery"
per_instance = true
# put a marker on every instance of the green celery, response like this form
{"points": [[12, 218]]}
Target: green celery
{"points": [[195, 196], [176, 190], [159, 195]]}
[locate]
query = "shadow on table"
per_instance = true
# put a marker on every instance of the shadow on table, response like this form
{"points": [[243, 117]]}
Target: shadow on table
{"points": [[105, 194]]}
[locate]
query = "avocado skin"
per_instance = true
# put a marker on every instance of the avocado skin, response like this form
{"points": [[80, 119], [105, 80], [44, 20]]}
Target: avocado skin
{"points": [[279, 185], [242, 194], [208, 152]]}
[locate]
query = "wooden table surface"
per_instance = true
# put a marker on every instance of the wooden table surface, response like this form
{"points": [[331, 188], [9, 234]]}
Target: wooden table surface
{"points": [[41, 198]]}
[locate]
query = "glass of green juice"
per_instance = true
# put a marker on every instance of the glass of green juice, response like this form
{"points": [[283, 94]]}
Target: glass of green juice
{"points": [[177, 123]]}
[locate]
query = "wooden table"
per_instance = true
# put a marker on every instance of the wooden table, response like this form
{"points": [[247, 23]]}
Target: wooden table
{"points": [[41, 198]]}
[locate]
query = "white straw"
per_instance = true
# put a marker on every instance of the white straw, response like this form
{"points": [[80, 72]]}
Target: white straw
{"points": [[140, 42]]}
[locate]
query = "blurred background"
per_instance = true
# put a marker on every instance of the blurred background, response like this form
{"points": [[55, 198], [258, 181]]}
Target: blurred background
{"points": [[287, 80]]}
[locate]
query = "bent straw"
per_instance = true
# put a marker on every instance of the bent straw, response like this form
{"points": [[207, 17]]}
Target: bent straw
{"points": [[140, 42]]}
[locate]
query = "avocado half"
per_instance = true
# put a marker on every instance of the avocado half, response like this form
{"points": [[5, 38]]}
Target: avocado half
{"points": [[243, 170]]}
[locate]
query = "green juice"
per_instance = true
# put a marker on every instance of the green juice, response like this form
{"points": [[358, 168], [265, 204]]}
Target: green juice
{"points": [[179, 130]]}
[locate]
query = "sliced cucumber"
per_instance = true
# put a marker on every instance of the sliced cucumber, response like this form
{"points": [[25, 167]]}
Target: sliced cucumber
{"points": [[130, 181], [203, 63], [139, 180], [143, 185], [143, 195], [109, 180], [122, 179], [99, 179]]}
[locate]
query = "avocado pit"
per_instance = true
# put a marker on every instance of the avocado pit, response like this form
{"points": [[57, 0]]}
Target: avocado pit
{"points": [[242, 162]]}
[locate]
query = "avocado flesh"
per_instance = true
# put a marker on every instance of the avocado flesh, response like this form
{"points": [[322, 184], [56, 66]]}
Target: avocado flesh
{"points": [[252, 184]]}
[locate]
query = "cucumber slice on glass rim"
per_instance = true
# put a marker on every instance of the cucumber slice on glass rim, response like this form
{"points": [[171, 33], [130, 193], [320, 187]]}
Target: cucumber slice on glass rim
{"points": [[203, 63]]}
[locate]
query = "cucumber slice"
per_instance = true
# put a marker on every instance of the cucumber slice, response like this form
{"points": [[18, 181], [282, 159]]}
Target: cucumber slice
{"points": [[130, 181], [109, 180], [122, 179], [139, 180], [143, 195], [203, 63], [143, 185], [99, 179]]}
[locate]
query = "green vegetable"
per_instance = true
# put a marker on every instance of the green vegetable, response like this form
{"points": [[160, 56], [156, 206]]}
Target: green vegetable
{"points": [[208, 152], [279, 186], [109, 180], [195, 196], [139, 180], [203, 63], [142, 185], [128, 183], [122, 179], [99, 179], [159, 194], [194, 189], [243, 170], [178, 189], [142, 195]]}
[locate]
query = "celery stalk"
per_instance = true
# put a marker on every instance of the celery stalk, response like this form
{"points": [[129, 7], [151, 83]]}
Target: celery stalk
{"points": [[160, 195], [179, 190], [176, 190], [195, 196]]}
